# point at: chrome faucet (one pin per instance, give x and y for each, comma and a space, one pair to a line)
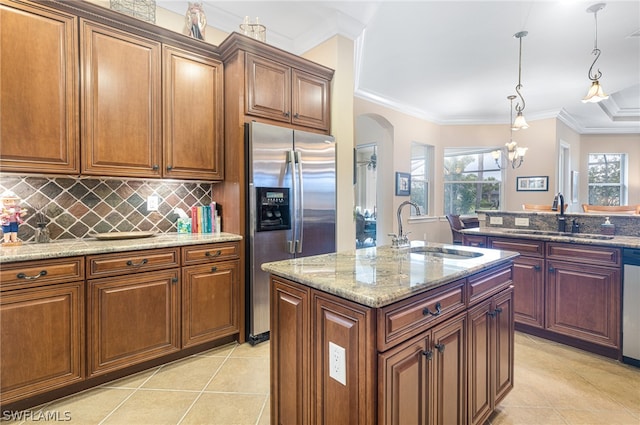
562, 222
401, 240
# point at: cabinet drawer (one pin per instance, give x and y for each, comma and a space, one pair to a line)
407, 318
485, 284
523, 246
198, 254
131, 262
37, 273
587, 254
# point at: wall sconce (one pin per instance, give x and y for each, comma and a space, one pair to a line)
515, 154
520, 122
596, 92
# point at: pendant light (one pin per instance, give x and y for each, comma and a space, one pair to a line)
515, 154
596, 93
520, 122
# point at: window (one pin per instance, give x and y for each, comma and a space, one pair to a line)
472, 181
421, 176
607, 178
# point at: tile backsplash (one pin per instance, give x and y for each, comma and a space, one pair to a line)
76, 207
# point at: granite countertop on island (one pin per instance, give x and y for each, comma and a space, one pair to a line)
75, 247
380, 276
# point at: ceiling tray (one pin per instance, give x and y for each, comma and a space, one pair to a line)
122, 235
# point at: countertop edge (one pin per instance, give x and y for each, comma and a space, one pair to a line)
616, 241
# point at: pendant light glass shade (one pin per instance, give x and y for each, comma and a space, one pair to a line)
519, 123
515, 154
596, 93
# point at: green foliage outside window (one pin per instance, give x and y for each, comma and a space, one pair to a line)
607, 179
471, 182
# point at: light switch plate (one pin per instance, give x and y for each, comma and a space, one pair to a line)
495, 220
337, 363
152, 203
522, 221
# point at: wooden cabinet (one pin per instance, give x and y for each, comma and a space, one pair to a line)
192, 115
405, 363
121, 109
474, 240
135, 315
42, 327
210, 296
279, 92
491, 341
425, 380
528, 279
39, 130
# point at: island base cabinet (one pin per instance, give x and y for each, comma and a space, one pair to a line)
528, 281
491, 342
132, 319
424, 381
43, 344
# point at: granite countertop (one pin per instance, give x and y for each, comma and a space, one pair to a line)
380, 276
583, 238
71, 248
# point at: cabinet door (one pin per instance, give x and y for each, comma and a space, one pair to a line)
268, 88
584, 302
210, 302
192, 115
42, 333
528, 279
403, 379
121, 131
474, 240
310, 100
290, 351
448, 406
504, 343
480, 368
131, 319
39, 99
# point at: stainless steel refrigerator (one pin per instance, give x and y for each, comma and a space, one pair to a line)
292, 207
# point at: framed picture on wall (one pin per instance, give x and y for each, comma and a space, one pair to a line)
532, 184
403, 184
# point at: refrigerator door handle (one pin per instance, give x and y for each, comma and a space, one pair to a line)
300, 203
291, 161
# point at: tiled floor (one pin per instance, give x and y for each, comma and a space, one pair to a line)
555, 384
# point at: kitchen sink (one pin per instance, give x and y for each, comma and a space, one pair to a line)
552, 233
448, 253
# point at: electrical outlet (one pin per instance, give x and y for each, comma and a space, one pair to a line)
522, 221
337, 363
495, 220
152, 203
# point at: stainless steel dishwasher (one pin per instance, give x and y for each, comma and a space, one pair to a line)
631, 306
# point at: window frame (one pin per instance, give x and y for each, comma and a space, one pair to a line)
622, 184
423, 158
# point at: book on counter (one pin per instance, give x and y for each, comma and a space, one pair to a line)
203, 218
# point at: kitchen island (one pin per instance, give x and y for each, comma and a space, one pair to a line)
382, 335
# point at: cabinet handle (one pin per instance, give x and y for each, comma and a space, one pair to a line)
174, 280
440, 348
214, 269
537, 268
498, 310
428, 354
296, 115
491, 313
141, 263
426, 310
169, 167
286, 114
551, 269
216, 254
155, 167
24, 276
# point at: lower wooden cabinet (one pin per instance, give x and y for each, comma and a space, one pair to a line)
42, 334
529, 299
491, 343
210, 302
131, 319
425, 380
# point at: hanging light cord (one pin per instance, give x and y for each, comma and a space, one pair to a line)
519, 86
595, 51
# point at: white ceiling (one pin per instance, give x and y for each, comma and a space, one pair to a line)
455, 62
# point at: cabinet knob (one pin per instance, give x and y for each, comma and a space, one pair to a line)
427, 312
428, 354
286, 114
174, 280
551, 269
214, 269
440, 348
155, 167
34, 277
296, 115
141, 263
169, 167
537, 268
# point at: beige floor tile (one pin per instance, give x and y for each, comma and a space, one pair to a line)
508, 415
582, 417
152, 407
192, 373
242, 375
265, 417
225, 409
248, 350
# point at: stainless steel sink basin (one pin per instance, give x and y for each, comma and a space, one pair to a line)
552, 233
448, 253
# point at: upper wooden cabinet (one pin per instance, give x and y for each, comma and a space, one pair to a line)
39, 80
283, 93
192, 115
